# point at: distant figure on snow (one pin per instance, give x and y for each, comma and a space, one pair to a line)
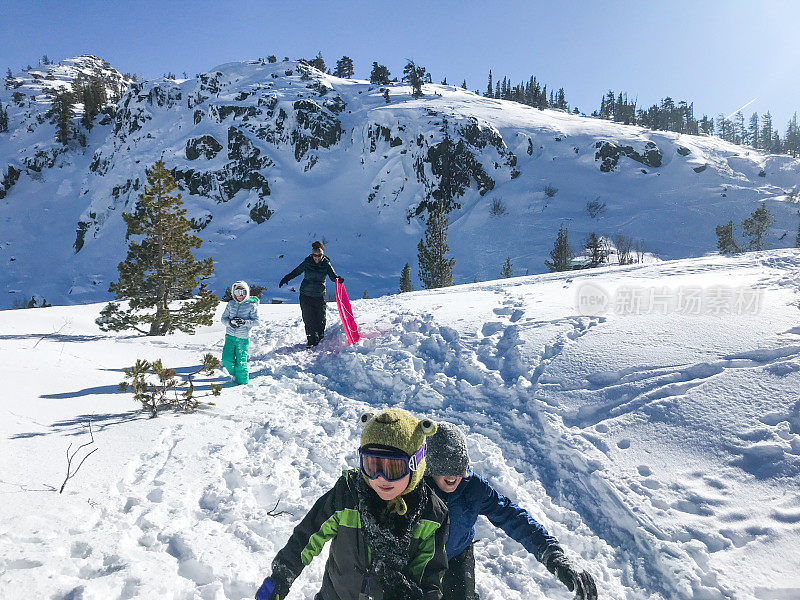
315, 268
240, 316
467, 495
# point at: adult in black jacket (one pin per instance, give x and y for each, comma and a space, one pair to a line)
315, 268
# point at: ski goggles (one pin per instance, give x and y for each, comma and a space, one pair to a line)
392, 466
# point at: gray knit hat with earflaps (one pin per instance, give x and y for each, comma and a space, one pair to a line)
447, 452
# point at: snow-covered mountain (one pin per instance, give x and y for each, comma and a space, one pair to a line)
274, 155
660, 445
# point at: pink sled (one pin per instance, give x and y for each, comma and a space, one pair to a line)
346, 314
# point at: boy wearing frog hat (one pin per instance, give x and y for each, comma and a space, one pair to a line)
468, 495
388, 528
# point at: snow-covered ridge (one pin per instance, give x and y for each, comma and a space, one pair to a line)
272, 156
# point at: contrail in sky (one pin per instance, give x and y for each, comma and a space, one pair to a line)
741, 109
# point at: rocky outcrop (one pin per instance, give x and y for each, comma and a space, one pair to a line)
206, 146
609, 153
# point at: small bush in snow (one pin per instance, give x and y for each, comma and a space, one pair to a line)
595, 207
498, 208
156, 386
550, 191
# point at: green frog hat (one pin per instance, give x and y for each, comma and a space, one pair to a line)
398, 429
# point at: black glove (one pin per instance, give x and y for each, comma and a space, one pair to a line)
284, 281
340, 279
237, 322
579, 582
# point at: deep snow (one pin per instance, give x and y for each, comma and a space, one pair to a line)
661, 447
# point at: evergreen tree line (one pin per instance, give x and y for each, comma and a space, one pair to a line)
758, 132
530, 93
666, 115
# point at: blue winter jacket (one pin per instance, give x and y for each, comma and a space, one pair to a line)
474, 496
247, 310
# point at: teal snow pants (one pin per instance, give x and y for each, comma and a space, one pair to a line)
234, 358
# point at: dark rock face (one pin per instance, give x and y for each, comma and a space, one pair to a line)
205, 145
80, 235
241, 173
609, 154
376, 132
316, 128
455, 164
260, 212
683, 151
700, 169
43, 159
243, 113
196, 182
119, 190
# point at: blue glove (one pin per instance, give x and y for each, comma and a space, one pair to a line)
267, 591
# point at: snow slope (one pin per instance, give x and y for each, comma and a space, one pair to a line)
660, 442
273, 156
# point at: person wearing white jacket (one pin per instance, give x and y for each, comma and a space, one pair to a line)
240, 316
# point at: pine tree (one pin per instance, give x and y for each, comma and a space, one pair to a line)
414, 76
160, 270
792, 139
726, 243
61, 113
594, 246
318, 62
344, 67
405, 280
3, 119
756, 226
507, 271
489, 91
435, 269
766, 132
754, 133
380, 75
739, 130
561, 254
464, 84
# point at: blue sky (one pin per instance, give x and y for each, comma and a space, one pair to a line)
719, 54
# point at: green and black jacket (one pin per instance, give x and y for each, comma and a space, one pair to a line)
348, 572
